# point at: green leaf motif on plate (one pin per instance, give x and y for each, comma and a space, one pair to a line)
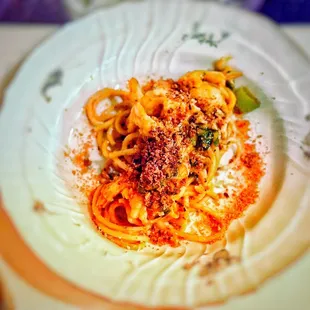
205, 38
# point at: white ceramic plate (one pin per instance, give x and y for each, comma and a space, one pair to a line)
155, 38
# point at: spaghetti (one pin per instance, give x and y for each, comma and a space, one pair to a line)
162, 144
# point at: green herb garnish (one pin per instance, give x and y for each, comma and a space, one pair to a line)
246, 101
216, 140
205, 138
